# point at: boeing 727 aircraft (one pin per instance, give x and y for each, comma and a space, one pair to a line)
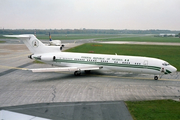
77, 62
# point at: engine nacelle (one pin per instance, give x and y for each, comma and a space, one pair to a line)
48, 58
30, 56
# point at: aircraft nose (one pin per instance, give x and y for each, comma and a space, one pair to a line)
174, 69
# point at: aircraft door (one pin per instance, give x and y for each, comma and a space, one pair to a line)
145, 63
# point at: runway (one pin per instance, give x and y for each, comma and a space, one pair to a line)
21, 87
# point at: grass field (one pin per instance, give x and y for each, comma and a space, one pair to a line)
107, 37
154, 110
111, 37
168, 53
2, 41
75, 36
143, 39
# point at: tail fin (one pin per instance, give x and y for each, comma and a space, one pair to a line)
34, 45
50, 37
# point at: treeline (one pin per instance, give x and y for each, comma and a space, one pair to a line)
83, 31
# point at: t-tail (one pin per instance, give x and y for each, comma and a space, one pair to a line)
34, 45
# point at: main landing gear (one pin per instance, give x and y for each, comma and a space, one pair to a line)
77, 73
155, 77
87, 71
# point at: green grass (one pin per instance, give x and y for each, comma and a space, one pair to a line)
38, 62
144, 39
2, 41
74, 36
154, 110
170, 54
107, 37
112, 37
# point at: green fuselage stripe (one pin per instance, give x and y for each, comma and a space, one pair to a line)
109, 64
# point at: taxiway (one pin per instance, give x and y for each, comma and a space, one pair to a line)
21, 87
18, 86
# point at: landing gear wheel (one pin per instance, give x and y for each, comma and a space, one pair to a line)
155, 77
87, 71
77, 73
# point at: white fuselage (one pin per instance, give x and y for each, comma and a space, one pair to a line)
84, 61
110, 62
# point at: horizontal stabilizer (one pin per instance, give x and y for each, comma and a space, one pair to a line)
17, 36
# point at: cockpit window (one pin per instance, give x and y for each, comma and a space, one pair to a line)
165, 64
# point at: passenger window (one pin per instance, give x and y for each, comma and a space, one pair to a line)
165, 64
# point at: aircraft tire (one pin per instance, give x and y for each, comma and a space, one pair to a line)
77, 73
155, 77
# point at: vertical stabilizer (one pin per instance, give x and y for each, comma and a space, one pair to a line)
34, 45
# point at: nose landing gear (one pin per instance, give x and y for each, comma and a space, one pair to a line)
155, 77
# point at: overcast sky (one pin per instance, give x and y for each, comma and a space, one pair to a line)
90, 14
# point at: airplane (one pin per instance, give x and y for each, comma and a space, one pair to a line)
78, 62
54, 42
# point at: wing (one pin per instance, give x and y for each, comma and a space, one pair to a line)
59, 69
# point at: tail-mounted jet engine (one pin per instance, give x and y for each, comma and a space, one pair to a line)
43, 57
30, 56
48, 58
